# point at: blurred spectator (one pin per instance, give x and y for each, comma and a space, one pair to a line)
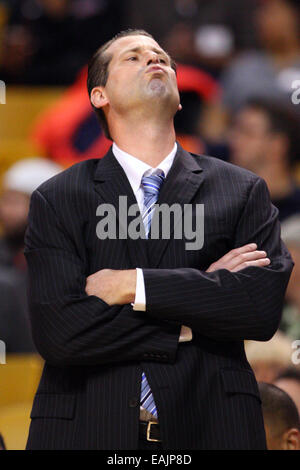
269, 358
14, 324
18, 184
20, 180
48, 41
268, 73
281, 418
198, 90
265, 138
290, 233
69, 131
289, 381
197, 32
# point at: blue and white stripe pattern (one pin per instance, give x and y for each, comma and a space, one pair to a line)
151, 186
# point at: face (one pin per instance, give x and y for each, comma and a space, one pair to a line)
14, 207
140, 76
276, 22
250, 139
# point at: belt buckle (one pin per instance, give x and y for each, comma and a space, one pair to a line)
149, 430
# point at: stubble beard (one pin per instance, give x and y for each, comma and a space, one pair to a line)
157, 87
159, 95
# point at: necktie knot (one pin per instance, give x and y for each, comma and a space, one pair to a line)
151, 184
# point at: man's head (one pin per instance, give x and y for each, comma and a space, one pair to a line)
281, 418
289, 381
18, 183
264, 134
130, 73
278, 23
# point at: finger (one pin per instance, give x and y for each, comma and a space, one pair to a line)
251, 256
258, 263
238, 251
244, 257
244, 249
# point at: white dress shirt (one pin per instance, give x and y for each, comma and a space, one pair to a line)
135, 169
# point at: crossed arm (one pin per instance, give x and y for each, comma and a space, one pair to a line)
118, 287
73, 324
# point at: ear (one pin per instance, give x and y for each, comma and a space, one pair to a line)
179, 107
291, 439
98, 97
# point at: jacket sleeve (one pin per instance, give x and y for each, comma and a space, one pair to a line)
68, 326
224, 305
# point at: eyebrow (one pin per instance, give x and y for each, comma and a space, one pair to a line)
154, 49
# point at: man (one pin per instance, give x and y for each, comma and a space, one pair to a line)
265, 140
143, 337
281, 418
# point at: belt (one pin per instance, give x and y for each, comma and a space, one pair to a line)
149, 431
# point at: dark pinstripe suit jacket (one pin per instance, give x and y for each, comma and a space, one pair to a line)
205, 390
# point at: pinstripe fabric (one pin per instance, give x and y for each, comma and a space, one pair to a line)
88, 396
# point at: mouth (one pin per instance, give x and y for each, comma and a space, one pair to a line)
155, 68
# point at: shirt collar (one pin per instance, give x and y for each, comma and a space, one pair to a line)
135, 168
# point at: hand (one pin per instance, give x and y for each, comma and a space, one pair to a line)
115, 287
241, 258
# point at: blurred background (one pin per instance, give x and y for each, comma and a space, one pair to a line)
239, 80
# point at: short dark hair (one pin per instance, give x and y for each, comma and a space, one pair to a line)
98, 70
283, 120
279, 410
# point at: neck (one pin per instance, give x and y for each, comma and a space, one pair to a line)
149, 140
278, 179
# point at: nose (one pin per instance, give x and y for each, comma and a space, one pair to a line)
152, 58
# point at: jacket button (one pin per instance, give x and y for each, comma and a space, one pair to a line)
133, 402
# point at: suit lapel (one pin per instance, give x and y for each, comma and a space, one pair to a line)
111, 182
183, 181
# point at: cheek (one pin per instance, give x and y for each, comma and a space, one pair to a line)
174, 82
257, 146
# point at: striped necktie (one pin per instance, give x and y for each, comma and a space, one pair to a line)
151, 186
